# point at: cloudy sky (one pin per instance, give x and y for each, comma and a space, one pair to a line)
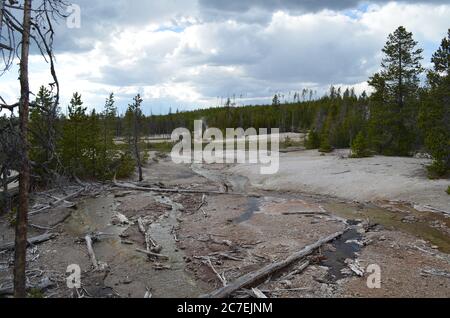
186, 54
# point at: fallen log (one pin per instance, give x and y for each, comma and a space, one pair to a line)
253, 277
161, 190
31, 241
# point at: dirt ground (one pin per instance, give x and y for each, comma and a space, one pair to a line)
200, 238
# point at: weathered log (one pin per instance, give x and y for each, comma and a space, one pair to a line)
253, 277
32, 241
161, 190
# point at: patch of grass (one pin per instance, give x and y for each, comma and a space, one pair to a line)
161, 147
448, 190
35, 293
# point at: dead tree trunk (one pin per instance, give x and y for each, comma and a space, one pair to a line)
2, 4
5, 196
24, 174
138, 156
137, 151
136, 112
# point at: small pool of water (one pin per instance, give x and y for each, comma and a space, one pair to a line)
253, 206
343, 249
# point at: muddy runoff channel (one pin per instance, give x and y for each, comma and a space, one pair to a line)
96, 215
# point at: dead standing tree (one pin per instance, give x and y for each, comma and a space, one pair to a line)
36, 27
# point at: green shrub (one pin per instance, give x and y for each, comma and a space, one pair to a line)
448, 190
360, 146
35, 293
313, 140
325, 145
126, 166
437, 169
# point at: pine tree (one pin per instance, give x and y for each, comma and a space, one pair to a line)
134, 120
325, 145
44, 133
441, 63
395, 101
275, 100
94, 147
435, 111
313, 140
75, 138
360, 146
109, 124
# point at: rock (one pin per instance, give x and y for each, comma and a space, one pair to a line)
382, 238
156, 249
409, 219
122, 194
286, 283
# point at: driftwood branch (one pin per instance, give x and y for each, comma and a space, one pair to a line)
57, 202
91, 252
253, 277
151, 254
222, 278
148, 240
258, 293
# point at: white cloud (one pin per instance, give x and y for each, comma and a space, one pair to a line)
178, 57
